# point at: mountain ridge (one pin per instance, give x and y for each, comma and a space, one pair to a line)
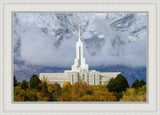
130, 73
42, 39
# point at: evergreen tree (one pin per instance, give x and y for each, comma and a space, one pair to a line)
118, 84
137, 84
15, 81
111, 85
34, 81
142, 82
24, 85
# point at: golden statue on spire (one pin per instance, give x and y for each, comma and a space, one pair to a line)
79, 26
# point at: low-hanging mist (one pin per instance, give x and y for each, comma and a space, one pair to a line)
48, 40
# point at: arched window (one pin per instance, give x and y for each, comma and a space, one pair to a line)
83, 77
94, 79
72, 79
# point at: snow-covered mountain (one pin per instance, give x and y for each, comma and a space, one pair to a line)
44, 39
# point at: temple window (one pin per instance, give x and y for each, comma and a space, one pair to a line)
83, 77
72, 79
94, 79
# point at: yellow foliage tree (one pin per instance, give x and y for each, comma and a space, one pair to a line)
133, 94
99, 93
22, 95
66, 92
54, 91
79, 89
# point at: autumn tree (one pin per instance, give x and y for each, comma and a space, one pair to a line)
99, 93
30, 95
54, 91
134, 94
44, 88
19, 94
66, 92
24, 95
40, 85
90, 90
79, 89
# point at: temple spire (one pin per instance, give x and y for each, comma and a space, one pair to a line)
79, 62
79, 27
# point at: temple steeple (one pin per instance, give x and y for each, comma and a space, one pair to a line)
79, 40
79, 62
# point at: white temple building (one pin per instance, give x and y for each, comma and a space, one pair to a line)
79, 71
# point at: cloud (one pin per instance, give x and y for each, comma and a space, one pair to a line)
133, 55
37, 48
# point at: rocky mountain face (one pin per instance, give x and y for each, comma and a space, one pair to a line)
109, 39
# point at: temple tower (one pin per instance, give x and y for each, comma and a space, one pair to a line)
79, 62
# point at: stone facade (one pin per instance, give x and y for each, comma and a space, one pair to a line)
79, 71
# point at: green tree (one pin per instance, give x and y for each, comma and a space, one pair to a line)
137, 84
34, 81
118, 96
118, 84
24, 85
142, 82
15, 81
112, 85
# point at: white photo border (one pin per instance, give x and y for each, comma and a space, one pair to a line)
8, 6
